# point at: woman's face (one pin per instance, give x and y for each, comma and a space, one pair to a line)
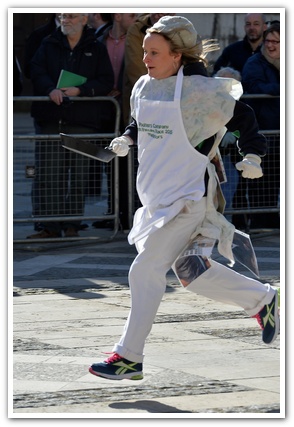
159, 61
272, 45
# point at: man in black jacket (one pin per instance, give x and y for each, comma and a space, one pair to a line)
61, 176
236, 54
100, 22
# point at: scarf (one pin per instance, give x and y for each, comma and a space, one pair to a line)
274, 62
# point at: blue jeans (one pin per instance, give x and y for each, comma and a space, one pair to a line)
229, 188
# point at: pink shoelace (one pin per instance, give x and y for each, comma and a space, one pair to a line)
113, 358
258, 318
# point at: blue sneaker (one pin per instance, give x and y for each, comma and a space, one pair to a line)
117, 368
269, 321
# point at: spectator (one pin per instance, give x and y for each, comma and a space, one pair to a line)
175, 110
114, 39
236, 54
62, 175
100, 22
261, 75
35, 39
32, 44
17, 76
228, 147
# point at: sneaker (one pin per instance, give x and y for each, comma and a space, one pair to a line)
269, 321
117, 368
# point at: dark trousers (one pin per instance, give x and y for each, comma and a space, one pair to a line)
59, 184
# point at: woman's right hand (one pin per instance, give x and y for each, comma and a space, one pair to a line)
120, 145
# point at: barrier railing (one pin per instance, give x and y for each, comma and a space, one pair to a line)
245, 198
102, 189
99, 192
255, 204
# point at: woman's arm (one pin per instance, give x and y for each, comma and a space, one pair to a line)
244, 120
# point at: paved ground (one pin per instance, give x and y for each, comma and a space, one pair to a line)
70, 302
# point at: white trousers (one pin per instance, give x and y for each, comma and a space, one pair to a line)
147, 280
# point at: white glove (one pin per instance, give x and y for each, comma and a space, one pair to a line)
250, 166
120, 146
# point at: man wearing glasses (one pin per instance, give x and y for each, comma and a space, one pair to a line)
61, 176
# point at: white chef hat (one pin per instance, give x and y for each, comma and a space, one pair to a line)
177, 28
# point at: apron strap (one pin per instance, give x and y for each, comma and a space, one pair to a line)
179, 83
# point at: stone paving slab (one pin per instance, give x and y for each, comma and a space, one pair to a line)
183, 357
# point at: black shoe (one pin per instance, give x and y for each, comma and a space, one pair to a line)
104, 223
269, 320
38, 226
117, 368
83, 226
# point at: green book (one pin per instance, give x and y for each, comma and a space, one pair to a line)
67, 79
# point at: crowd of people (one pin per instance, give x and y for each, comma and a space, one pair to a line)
63, 180
257, 60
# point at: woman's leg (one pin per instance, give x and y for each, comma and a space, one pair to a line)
147, 277
223, 284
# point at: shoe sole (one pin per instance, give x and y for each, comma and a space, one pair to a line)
277, 320
130, 376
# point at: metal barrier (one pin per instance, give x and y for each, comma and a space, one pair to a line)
251, 197
88, 186
255, 204
246, 199
243, 196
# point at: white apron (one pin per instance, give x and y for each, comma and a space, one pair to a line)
170, 170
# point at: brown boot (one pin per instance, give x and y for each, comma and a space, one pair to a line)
71, 232
45, 234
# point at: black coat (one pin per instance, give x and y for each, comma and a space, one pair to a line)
235, 55
17, 76
89, 58
261, 77
34, 41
